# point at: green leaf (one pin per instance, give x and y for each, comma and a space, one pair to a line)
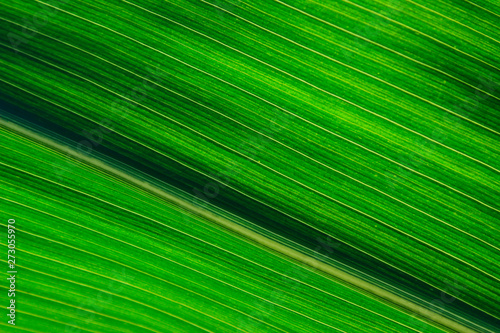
370, 125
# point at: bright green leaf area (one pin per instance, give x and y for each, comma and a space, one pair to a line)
372, 122
99, 254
